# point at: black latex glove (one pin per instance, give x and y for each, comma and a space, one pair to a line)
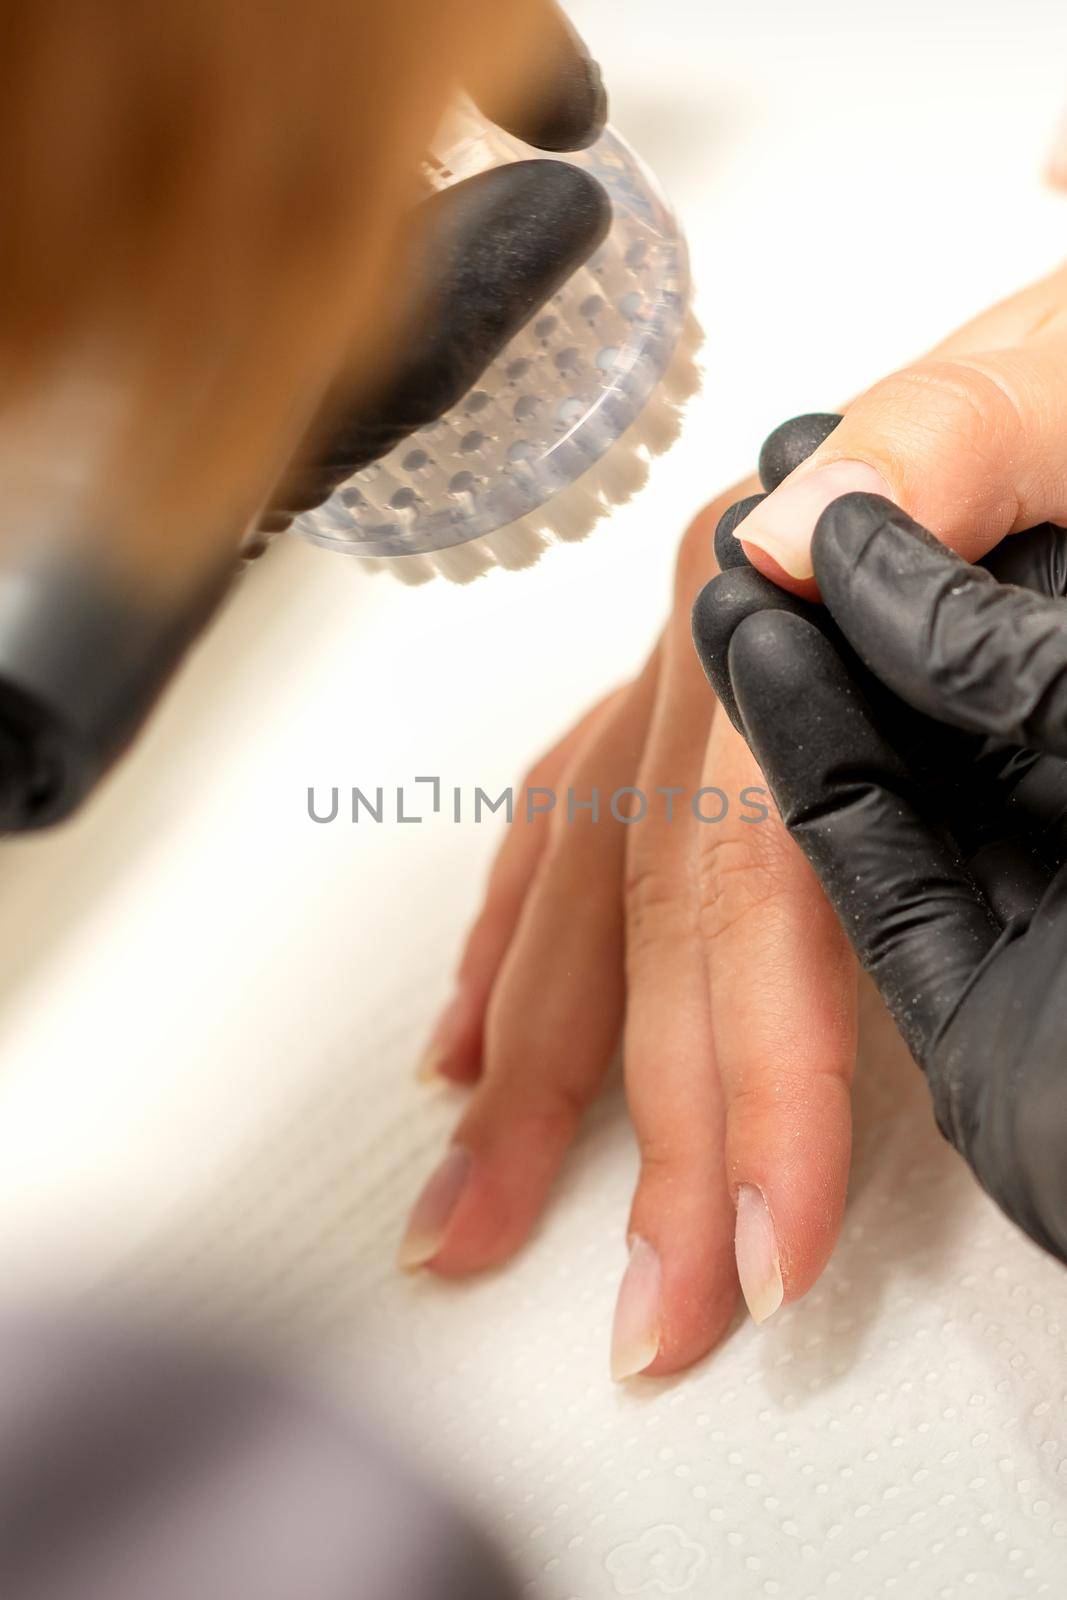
913, 733
566, 106
487, 253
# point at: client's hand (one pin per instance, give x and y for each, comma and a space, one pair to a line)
710, 946
942, 848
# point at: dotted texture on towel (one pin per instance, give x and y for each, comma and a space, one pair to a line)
900, 1432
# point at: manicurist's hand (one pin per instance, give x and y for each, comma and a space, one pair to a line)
914, 731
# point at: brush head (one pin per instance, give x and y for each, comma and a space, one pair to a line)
561, 425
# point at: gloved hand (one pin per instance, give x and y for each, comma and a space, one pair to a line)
913, 733
484, 256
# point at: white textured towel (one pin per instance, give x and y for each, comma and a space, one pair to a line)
900, 1432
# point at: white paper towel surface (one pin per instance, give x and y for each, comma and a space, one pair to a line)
211, 1009
901, 1432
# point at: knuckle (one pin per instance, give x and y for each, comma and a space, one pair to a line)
518, 1092
785, 1093
656, 903
739, 879
966, 409
659, 1155
673, 1155
965, 395
565, 1106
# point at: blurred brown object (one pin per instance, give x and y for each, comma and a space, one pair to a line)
203, 201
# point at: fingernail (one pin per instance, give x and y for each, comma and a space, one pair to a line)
430, 1065
434, 1210
757, 1254
783, 523
635, 1336
446, 1035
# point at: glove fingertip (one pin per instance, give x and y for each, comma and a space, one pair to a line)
711, 636
728, 550
792, 443
762, 653
856, 529
565, 107
574, 114
721, 607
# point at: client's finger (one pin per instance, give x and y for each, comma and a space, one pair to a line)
680, 1289
555, 1015
454, 1050
969, 441
782, 982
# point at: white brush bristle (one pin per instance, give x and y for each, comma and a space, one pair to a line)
464, 562
516, 547
573, 514
411, 570
660, 425
623, 472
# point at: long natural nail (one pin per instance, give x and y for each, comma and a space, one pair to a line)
434, 1210
635, 1336
783, 523
447, 1033
756, 1248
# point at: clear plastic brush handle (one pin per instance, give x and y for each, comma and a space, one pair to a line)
531, 454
